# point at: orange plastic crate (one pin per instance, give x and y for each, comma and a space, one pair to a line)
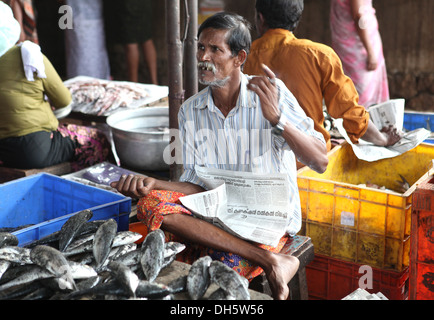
422, 242
333, 279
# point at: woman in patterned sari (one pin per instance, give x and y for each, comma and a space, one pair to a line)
357, 41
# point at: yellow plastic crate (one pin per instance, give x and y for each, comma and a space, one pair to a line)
352, 222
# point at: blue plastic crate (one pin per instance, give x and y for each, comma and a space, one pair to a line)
414, 120
47, 201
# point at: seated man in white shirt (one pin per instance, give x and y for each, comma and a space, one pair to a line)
278, 133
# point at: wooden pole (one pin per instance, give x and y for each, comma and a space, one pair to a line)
176, 92
190, 47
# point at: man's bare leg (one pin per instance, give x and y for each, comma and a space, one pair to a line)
279, 268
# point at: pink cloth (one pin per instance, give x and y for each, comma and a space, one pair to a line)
372, 86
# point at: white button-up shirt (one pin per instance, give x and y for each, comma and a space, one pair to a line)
242, 141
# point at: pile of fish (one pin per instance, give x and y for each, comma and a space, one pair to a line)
103, 97
92, 260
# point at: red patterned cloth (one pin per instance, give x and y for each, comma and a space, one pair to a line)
158, 203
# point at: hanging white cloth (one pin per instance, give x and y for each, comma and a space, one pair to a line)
33, 60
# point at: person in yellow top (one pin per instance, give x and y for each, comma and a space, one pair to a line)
311, 71
30, 135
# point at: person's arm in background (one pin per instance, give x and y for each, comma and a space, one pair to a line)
57, 93
18, 15
341, 99
357, 13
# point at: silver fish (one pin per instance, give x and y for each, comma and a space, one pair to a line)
15, 254
80, 241
178, 285
35, 273
152, 254
110, 287
14, 271
102, 243
220, 294
53, 261
39, 294
152, 290
60, 284
130, 258
198, 279
18, 291
89, 282
72, 226
90, 226
121, 238
125, 237
8, 239
168, 261
114, 253
402, 185
51, 239
126, 278
82, 258
172, 248
81, 271
229, 280
83, 287
84, 247
122, 250
4, 265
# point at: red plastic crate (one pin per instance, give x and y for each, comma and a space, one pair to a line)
422, 242
333, 279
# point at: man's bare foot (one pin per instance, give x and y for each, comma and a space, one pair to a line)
283, 268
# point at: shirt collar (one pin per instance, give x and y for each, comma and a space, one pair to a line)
272, 36
275, 31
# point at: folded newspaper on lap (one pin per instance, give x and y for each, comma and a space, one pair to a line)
252, 206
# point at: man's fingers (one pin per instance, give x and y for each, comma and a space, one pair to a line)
261, 83
270, 74
133, 185
142, 189
118, 184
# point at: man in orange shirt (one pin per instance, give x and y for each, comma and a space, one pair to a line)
311, 71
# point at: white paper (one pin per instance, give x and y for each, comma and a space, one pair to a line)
383, 115
362, 294
369, 152
389, 113
252, 206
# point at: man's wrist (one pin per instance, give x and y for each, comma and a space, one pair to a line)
279, 127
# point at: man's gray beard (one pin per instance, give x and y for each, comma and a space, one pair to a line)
215, 83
